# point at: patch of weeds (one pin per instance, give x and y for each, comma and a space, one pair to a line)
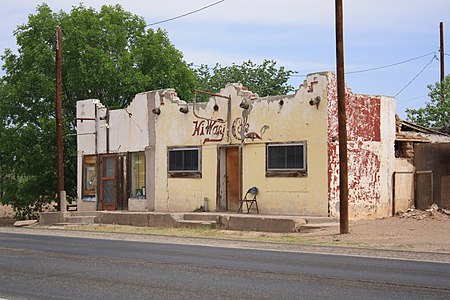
296, 240
363, 245
404, 246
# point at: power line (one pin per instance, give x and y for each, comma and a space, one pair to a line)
426, 66
381, 67
375, 68
411, 99
186, 14
392, 65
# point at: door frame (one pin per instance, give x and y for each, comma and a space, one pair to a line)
222, 201
104, 178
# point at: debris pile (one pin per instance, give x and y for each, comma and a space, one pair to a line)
433, 212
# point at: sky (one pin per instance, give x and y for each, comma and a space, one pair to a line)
297, 34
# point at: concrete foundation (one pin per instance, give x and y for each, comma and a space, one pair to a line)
50, 218
252, 223
240, 222
132, 219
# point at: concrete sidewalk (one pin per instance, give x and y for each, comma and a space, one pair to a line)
226, 221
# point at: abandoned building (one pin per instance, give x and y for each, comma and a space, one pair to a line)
164, 154
422, 167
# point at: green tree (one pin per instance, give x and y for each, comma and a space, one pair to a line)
264, 79
107, 54
436, 113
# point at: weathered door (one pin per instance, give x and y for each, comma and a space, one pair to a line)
403, 191
432, 162
108, 182
232, 178
424, 189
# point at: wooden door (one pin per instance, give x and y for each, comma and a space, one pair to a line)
233, 178
108, 182
424, 189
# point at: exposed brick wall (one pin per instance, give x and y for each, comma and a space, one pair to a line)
364, 152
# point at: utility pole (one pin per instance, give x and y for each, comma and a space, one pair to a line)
342, 120
59, 138
441, 27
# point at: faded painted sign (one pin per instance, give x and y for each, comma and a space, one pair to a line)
240, 129
212, 130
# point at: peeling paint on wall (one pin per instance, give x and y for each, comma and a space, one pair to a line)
365, 148
158, 120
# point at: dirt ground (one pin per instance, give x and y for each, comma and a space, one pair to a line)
418, 231
415, 230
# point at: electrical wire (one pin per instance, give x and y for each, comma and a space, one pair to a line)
381, 67
411, 99
414, 78
391, 65
186, 14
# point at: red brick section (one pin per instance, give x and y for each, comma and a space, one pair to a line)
363, 133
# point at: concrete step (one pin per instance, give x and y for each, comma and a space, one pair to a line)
320, 220
200, 217
306, 228
67, 224
195, 224
80, 220
85, 213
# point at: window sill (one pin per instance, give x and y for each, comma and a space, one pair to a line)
286, 174
93, 199
138, 198
185, 175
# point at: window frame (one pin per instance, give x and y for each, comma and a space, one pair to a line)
133, 185
86, 196
287, 172
185, 173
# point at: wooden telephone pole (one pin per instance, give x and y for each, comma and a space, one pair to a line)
59, 131
441, 27
342, 121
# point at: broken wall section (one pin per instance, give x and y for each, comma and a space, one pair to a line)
370, 143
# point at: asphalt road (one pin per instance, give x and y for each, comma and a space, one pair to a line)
55, 267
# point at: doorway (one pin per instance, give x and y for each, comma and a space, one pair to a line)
229, 179
108, 182
432, 174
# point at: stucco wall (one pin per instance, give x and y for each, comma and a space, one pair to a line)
154, 123
370, 143
293, 121
86, 143
128, 132
176, 129
265, 121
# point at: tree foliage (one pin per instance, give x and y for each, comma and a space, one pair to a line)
107, 54
264, 79
436, 113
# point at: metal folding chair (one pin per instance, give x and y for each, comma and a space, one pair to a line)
249, 199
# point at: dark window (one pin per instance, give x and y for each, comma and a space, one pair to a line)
286, 160
184, 160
